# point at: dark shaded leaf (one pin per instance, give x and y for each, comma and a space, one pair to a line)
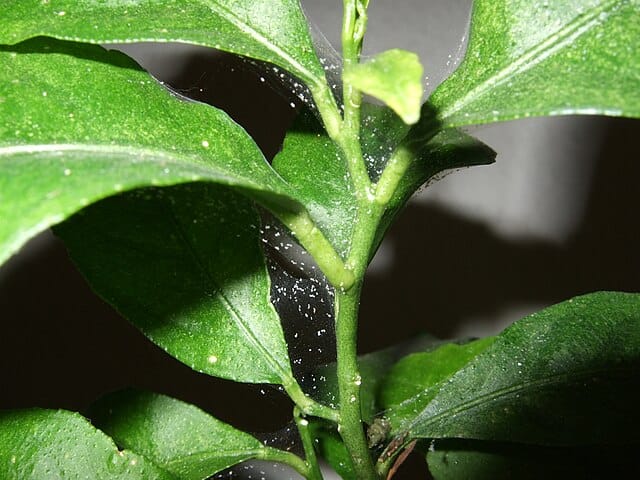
476, 460
568, 375
184, 264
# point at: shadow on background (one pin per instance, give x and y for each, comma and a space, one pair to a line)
62, 347
448, 269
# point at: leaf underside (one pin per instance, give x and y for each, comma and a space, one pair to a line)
184, 264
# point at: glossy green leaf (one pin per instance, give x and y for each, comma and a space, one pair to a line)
179, 437
554, 57
78, 123
395, 77
271, 30
49, 444
420, 375
469, 460
539, 381
184, 264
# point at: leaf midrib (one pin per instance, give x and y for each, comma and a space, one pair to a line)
541, 51
514, 389
163, 158
262, 39
281, 371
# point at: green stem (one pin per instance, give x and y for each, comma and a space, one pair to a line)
307, 405
392, 175
274, 455
353, 27
313, 240
307, 444
350, 426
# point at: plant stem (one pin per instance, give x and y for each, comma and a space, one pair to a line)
307, 405
307, 444
313, 240
274, 455
350, 425
353, 27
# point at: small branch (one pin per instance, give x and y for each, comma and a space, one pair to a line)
270, 454
309, 406
353, 28
313, 240
392, 175
307, 444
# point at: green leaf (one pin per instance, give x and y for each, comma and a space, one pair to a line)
271, 30
555, 57
184, 264
179, 437
448, 150
419, 376
539, 381
39, 444
473, 460
395, 77
78, 123
317, 170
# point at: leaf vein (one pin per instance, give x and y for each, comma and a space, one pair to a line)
539, 52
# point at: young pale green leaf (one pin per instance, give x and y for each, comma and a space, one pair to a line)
538, 381
184, 264
78, 123
179, 437
58, 444
270, 30
554, 57
395, 77
456, 460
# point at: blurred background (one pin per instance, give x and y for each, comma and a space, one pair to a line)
555, 217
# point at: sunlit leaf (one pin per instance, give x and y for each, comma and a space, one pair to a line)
78, 123
554, 57
184, 264
271, 30
48, 444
